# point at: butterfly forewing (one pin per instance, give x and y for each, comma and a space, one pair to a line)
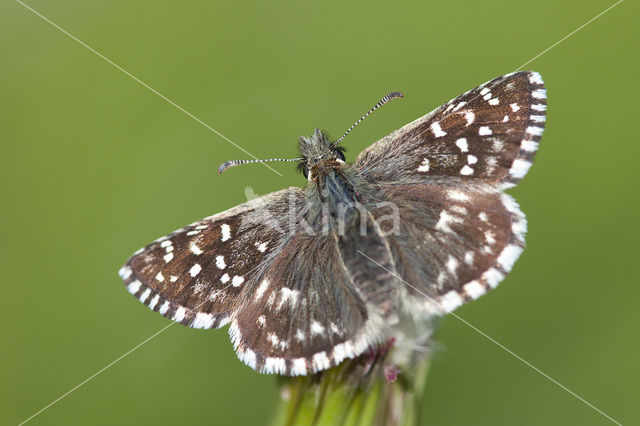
489, 134
197, 274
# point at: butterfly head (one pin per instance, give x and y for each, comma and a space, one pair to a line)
319, 154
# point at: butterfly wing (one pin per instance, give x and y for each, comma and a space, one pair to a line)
292, 306
488, 135
451, 245
458, 234
306, 315
196, 275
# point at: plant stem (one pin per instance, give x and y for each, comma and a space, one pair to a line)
355, 393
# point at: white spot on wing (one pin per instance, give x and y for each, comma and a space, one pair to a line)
454, 194
195, 249
445, 221
468, 257
202, 320
134, 287
466, 171
493, 277
154, 301
249, 358
261, 289
494, 101
470, 117
262, 320
225, 278
164, 308
179, 315
514, 107
539, 94
286, 294
299, 367
437, 130
195, 270
159, 277
220, 262
168, 257
474, 289
237, 281
452, 264
321, 361
451, 301
275, 365
125, 272
144, 295
316, 327
508, 256
226, 232
484, 131
535, 78
462, 144
424, 167
460, 105
519, 168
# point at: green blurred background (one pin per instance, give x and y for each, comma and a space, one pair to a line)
95, 166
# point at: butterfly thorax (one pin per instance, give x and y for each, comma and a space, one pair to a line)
329, 176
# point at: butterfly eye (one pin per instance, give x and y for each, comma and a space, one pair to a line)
340, 155
302, 167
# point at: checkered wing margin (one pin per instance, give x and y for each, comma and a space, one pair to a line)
488, 135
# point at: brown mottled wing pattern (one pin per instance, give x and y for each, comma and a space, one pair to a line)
458, 233
305, 315
451, 245
293, 308
488, 135
196, 275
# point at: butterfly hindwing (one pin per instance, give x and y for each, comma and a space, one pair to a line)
489, 134
305, 315
454, 244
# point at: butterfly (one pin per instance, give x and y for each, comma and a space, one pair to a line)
309, 277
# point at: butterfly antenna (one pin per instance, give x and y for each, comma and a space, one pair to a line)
227, 164
382, 101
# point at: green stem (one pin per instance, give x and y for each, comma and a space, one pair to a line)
355, 393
